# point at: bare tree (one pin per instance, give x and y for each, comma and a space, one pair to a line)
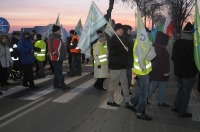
110, 8
180, 10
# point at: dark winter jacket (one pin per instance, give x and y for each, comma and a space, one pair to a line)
25, 47
183, 57
13, 45
130, 47
117, 55
161, 63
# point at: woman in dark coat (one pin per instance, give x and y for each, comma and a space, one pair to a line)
160, 68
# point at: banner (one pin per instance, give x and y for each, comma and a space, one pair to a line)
196, 36
94, 21
79, 27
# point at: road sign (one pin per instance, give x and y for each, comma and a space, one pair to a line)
4, 25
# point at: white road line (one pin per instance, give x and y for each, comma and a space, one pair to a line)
12, 90
74, 92
37, 95
19, 109
25, 112
46, 91
118, 99
194, 106
40, 80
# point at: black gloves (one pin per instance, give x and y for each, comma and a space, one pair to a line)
99, 66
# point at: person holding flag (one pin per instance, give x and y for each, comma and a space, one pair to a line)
144, 52
117, 63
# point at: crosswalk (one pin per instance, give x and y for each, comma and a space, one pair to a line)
48, 89
41, 93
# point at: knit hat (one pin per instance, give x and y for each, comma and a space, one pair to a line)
102, 37
55, 28
118, 26
72, 32
189, 28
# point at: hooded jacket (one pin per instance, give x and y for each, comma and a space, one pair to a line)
161, 63
5, 57
25, 47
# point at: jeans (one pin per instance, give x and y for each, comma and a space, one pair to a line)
41, 67
140, 98
129, 76
76, 65
58, 76
198, 87
162, 88
28, 74
183, 94
115, 77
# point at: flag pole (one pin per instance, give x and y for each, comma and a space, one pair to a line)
126, 48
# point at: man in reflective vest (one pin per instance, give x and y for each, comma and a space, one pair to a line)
142, 72
15, 74
100, 62
76, 56
40, 54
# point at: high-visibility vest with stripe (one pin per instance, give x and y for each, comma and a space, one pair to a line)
137, 70
11, 50
102, 55
42, 54
75, 50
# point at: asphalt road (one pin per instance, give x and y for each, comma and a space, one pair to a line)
84, 109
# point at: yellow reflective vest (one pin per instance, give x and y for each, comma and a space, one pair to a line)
102, 55
40, 55
137, 70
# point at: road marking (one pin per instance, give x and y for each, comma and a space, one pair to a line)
74, 92
37, 94
194, 106
12, 90
118, 99
19, 109
23, 113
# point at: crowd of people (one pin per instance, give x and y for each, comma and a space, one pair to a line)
116, 57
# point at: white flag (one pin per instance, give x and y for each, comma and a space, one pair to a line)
108, 29
79, 28
57, 20
94, 21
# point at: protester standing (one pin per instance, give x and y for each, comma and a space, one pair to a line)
76, 56
100, 62
117, 63
57, 52
40, 54
184, 69
127, 33
5, 61
160, 69
26, 50
142, 68
15, 73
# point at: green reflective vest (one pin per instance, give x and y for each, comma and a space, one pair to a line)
137, 70
40, 55
102, 55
